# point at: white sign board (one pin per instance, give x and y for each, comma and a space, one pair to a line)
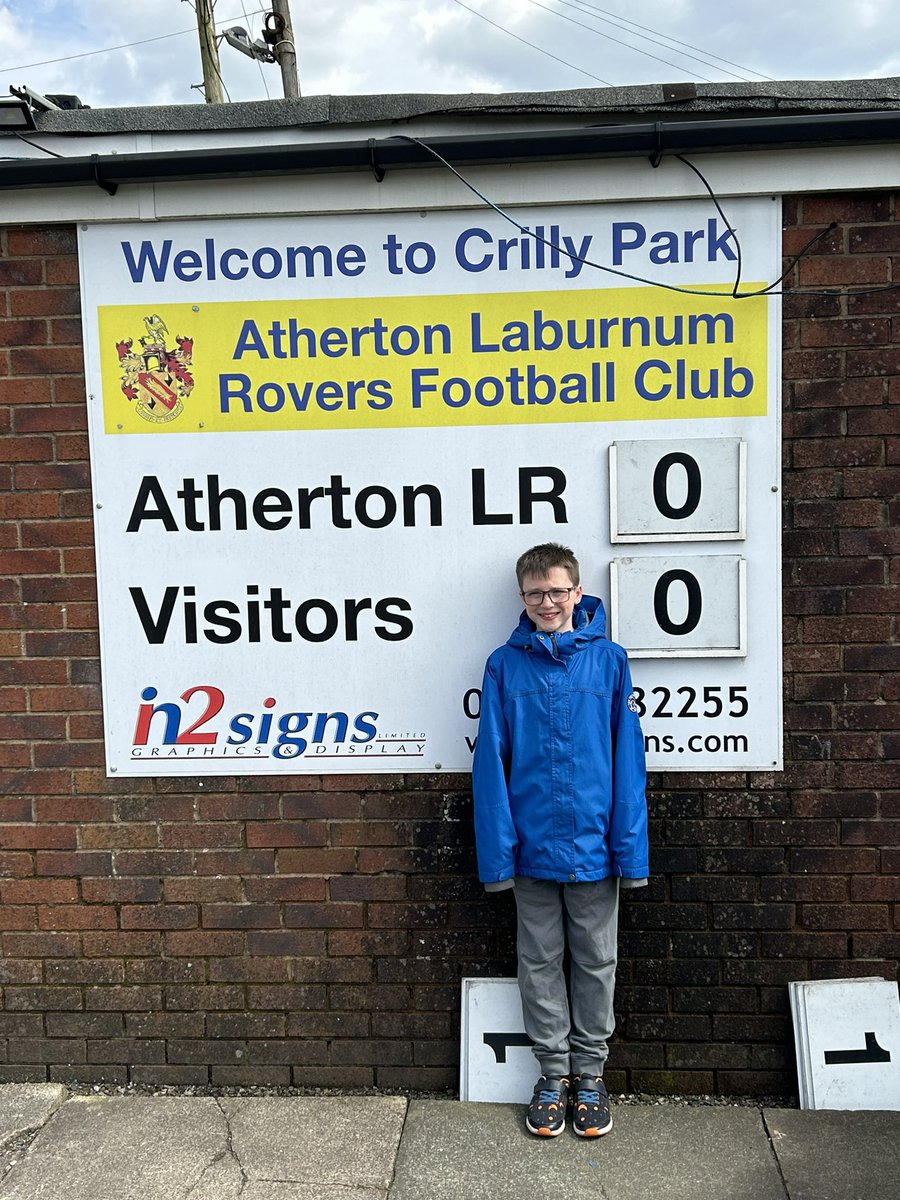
319, 444
690, 607
847, 1036
496, 1063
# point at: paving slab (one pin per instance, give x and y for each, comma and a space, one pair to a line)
25, 1107
453, 1151
123, 1148
202, 1148
343, 1147
827, 1155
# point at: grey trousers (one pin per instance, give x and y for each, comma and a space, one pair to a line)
569, 1028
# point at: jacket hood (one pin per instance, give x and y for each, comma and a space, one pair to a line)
588, 625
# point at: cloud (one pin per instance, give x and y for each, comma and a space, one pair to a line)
383, 46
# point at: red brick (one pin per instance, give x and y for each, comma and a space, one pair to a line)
40, 945
239, 808
114, 944
83, 809
868, 239
27, 273
36, 240
203, 890
287, 887
122, 999
61, 271
45, 303
836, 391
235, 862
30, 562
61, 476
111, 837
38, 837
287, 942
32, 504
858, 331
58, 917
286, 833
316, 861
159, 916
855, 206
121, 891
241, 916
839, 270
203, 837
330, 915
205, 943
51, 862
370, 833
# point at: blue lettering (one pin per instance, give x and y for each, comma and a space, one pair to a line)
462, 248
147, 256
250, 341
225, 263
626, 235
653, 364
241, 725
234, 387
187, 265
364, 727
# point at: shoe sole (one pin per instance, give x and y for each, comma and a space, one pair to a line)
594, 1131
543, 1130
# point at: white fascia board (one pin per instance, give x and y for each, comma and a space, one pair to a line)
744, 173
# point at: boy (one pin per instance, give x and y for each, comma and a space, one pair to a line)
561, 816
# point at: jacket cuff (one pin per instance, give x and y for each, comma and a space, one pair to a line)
502, 885
632, 883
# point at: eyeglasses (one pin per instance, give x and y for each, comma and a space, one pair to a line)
557, 596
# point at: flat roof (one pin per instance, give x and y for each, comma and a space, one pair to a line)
602, 105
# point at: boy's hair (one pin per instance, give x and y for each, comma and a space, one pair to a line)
540, 560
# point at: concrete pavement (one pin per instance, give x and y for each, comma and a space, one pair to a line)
138, 1147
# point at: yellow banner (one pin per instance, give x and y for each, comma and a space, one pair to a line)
409, 362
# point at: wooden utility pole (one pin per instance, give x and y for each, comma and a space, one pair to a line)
285, 54
209, 53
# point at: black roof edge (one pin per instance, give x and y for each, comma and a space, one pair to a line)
653, 139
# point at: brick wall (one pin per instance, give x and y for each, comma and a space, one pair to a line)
314, 931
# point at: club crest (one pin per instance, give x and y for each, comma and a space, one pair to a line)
156, 376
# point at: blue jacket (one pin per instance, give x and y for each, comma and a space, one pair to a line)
559, 771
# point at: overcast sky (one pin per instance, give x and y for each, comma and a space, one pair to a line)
150, 49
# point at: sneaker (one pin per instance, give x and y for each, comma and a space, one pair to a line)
546, 1115
590, 1107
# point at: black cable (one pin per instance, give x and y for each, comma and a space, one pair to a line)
525, 42
23, 138
769, 290
737, 245
618, 41
587, 6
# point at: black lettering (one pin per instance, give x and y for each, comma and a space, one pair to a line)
384, 612
352, 609
301, 620
528, 497
154, 629
151, 489
480, 515
213, 614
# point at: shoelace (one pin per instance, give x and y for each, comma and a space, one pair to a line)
548, 1097
586, 1097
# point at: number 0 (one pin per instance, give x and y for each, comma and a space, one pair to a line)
661, 602
661, 489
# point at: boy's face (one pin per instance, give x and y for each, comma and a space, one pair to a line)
550, 616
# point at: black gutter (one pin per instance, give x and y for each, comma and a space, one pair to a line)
653, 140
